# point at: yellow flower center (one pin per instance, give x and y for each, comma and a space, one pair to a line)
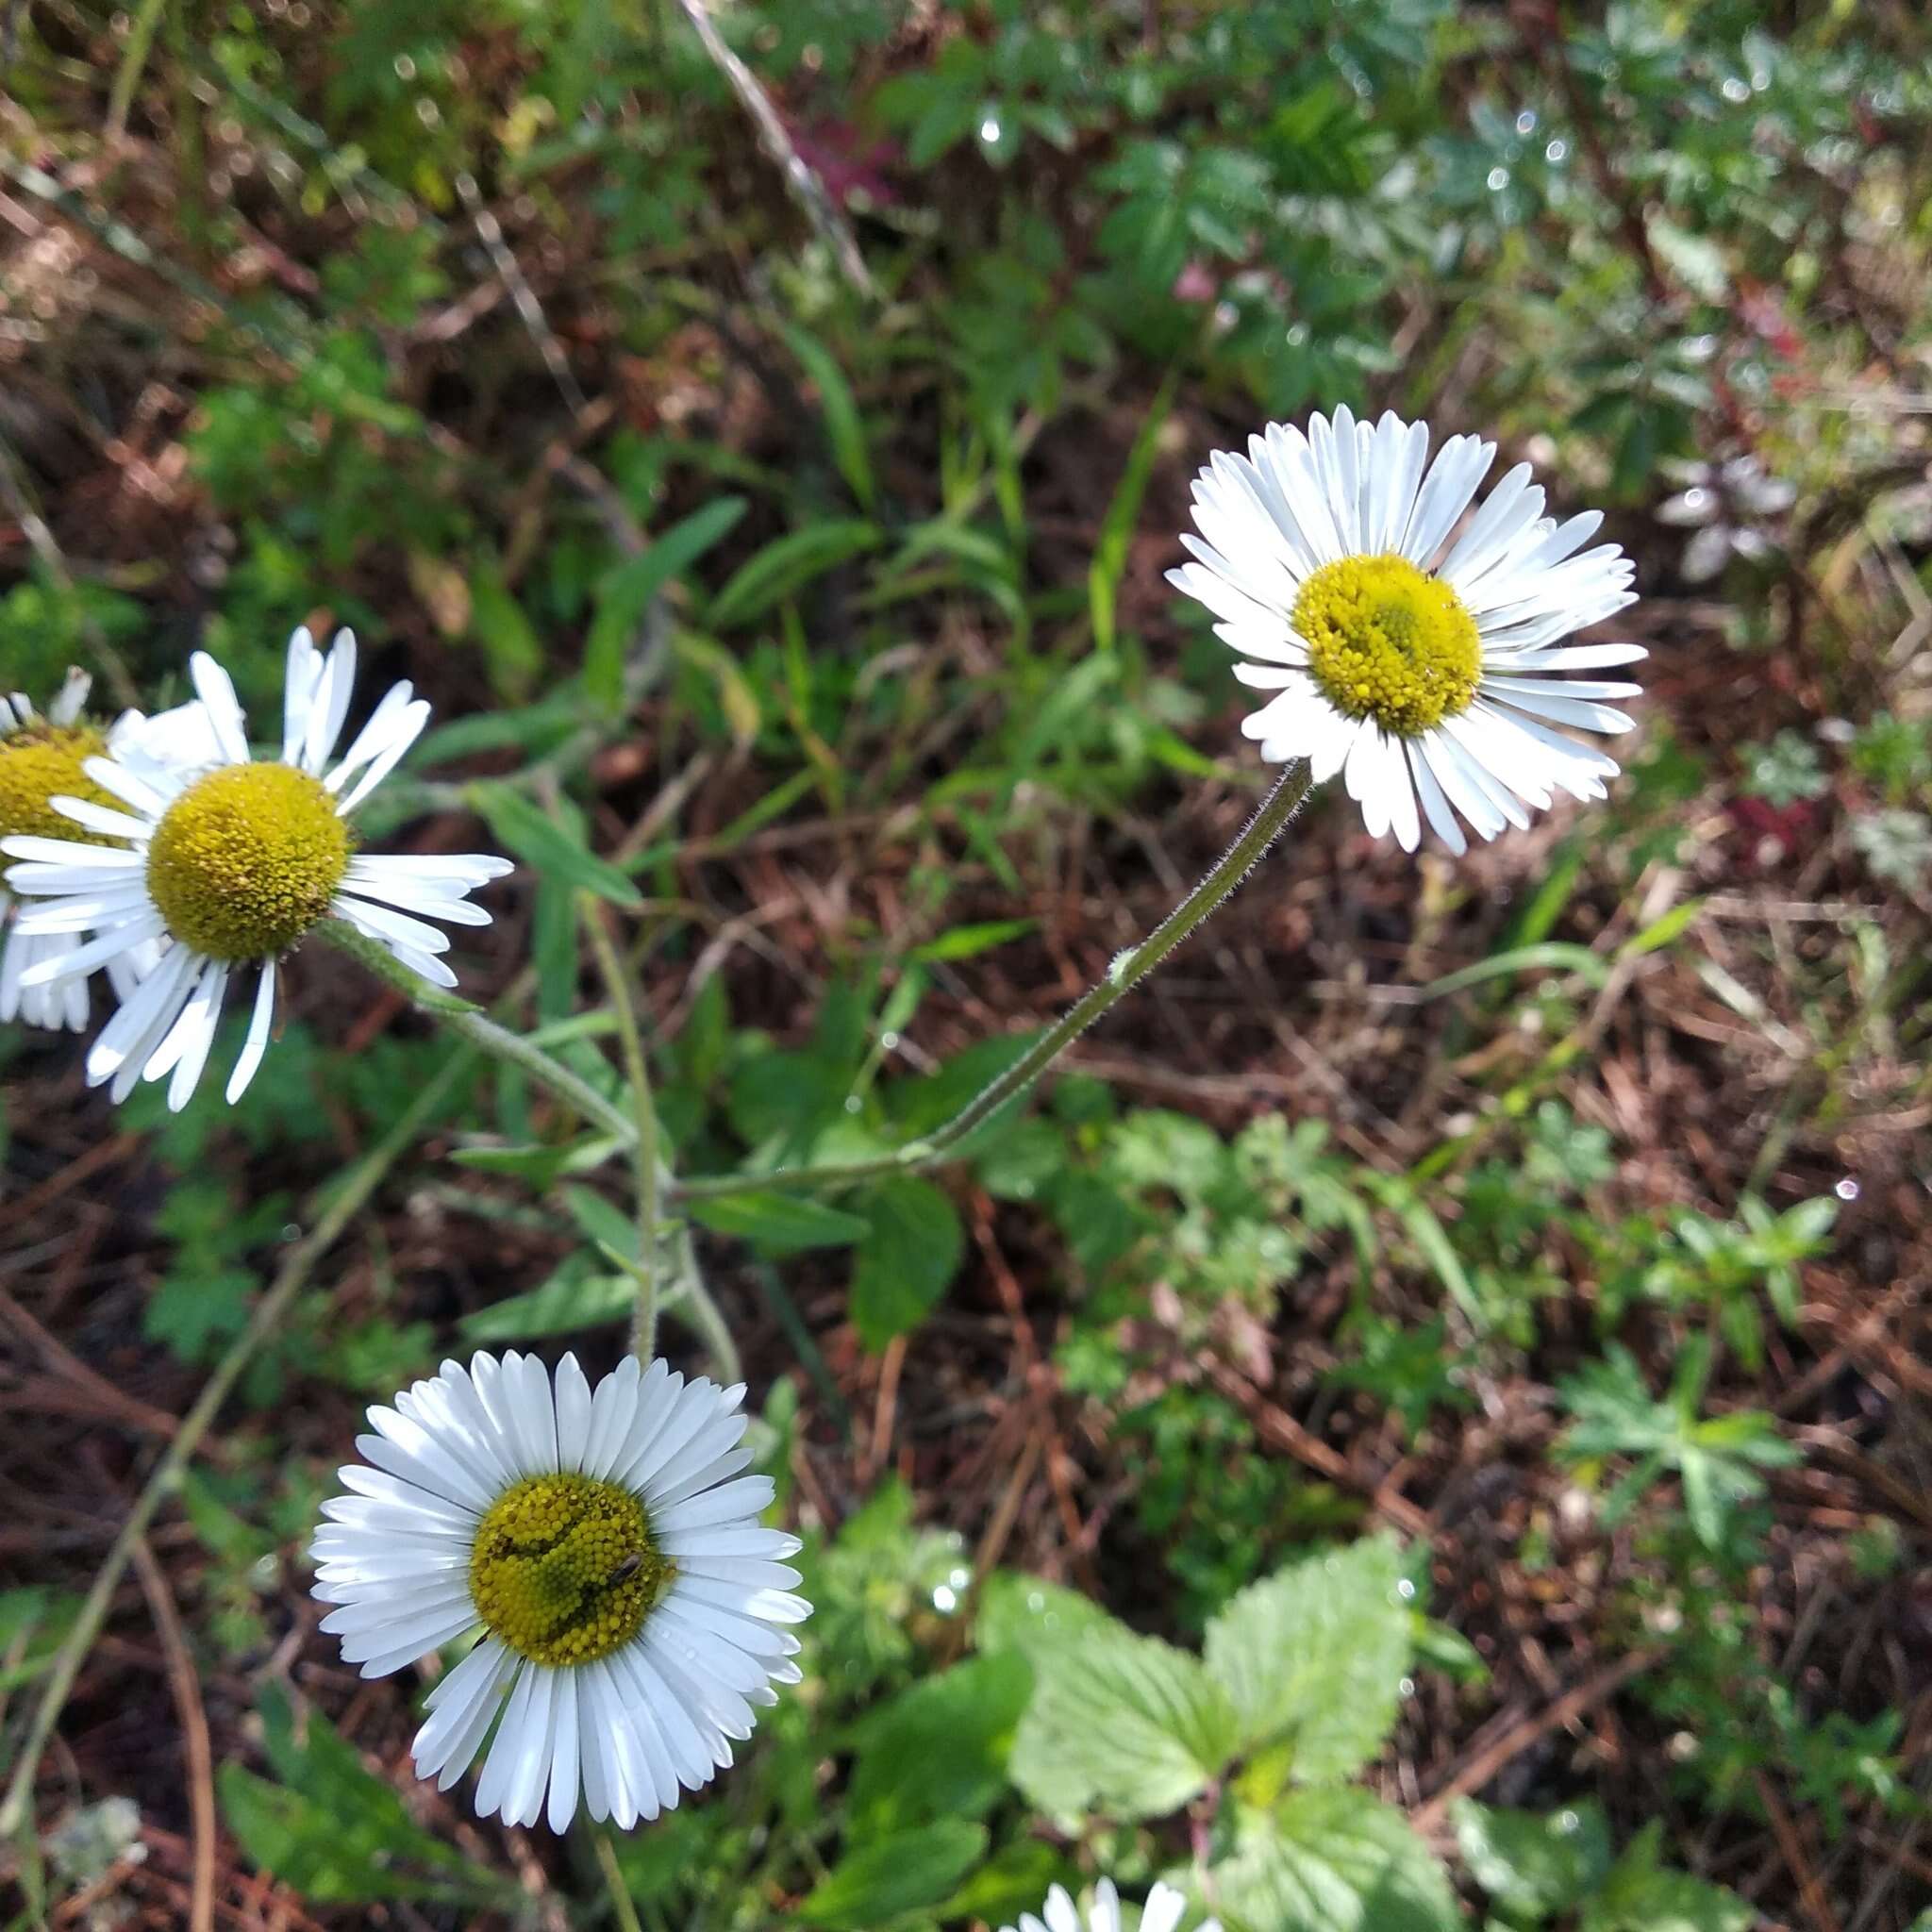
1388, 642
564, 1569
43, 761
246, 861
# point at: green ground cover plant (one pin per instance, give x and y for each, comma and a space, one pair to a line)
1418, 1417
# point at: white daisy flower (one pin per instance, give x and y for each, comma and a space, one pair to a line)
632, 1605
1161, 1913
227, 862
42, 758
1416, 671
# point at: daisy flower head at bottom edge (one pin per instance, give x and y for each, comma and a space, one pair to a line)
1161, 1913
42, 758
223, 866
1417, 667
634, 1610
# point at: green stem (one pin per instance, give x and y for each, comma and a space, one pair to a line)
166, 1477
621, 1906
476, 1026
644, 1334
141, 40
1128, 969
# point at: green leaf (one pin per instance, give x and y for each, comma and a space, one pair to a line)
1532, 1866
1111, 553
1640, 1895
964, 942
34, 1622
541, 843
844, 430
1546, 955
334, 1831
905, 1872
1314, 1656
779, 1224
1121, 1725
1012, 1881
787, 565
540, 1166
510, 640
1333, 1860
1030, 1615
580, 1294
602, 1222
196, 1308
939, 1749
625, 594
908, 1258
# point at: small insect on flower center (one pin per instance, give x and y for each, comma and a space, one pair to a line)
1388, 642
564, 1569
246, 861
40, 763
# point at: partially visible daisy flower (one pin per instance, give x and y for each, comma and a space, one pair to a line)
227, 862
1161, 1913
1418, 672
633, 1607
43, 758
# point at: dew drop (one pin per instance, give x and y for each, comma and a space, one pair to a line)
945, 1599
1556, 153
853, 1103
889, 1042
1525, 122
1297, 334
990, 130
1847, 1190
1735, 90
405, 67
1499, 179
1406, 1687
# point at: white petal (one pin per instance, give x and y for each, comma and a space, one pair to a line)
1452, 481
299, 682
216, 690
259, 1021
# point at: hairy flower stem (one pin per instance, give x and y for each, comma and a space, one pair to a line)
1128, 969
649, 1170
481, 1031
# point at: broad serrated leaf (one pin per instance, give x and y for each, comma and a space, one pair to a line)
1333, 1860
938, 1750
906, 1259
1640, 1895
1314, 1656
903, 1871
1120, 1724
1028, 1614
1533, 1866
